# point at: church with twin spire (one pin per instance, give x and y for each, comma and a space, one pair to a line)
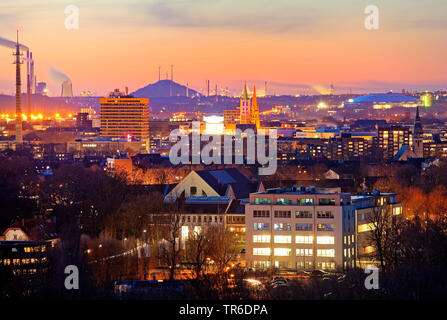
249, 109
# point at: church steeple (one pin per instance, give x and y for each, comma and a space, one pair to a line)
245, 107
418, 138
245, 93
255, 110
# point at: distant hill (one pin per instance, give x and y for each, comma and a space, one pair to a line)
162, 88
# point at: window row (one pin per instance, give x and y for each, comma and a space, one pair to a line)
298, 239
288, 226
302, 201
286, 252
299, 264
288, 214
198, 219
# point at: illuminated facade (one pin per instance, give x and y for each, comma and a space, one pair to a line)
300, 228
312, 228
124, 117
392, 138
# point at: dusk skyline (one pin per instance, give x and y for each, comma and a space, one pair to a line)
231, 42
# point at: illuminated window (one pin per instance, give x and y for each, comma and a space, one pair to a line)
262, 201
326, 253
282, 239
325, 227
185, 232
282, 226
260, 226
397, 211
304, 239
261, 251
282, 252
325, 215
304, 252
261, 264
306, 201
283, 201
261, 238
325, 240
369, 249
197, 229
366, 227
303, 214
326, 265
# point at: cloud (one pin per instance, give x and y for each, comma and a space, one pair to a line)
261, 15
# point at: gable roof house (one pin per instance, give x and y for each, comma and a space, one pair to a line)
228, 182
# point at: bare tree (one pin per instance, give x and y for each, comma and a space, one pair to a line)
382, 235
224, 247
198, 249
170, 248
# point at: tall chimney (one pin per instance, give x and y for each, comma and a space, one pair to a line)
172, 72
159, 73
208, 90
32, 75
28, 84
19, 138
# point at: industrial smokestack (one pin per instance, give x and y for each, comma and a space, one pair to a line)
32, 75
208, 87
159, 73
17, 54
28, 84
172, 72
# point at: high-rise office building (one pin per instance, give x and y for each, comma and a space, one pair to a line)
392, 138
124, 116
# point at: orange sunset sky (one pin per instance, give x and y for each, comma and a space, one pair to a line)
294, 45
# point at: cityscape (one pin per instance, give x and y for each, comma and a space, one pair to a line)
225, 174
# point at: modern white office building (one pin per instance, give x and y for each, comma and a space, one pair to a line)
306, 228
300, 228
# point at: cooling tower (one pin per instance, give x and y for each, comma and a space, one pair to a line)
67, 91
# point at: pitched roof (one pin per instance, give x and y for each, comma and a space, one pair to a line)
221, 179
